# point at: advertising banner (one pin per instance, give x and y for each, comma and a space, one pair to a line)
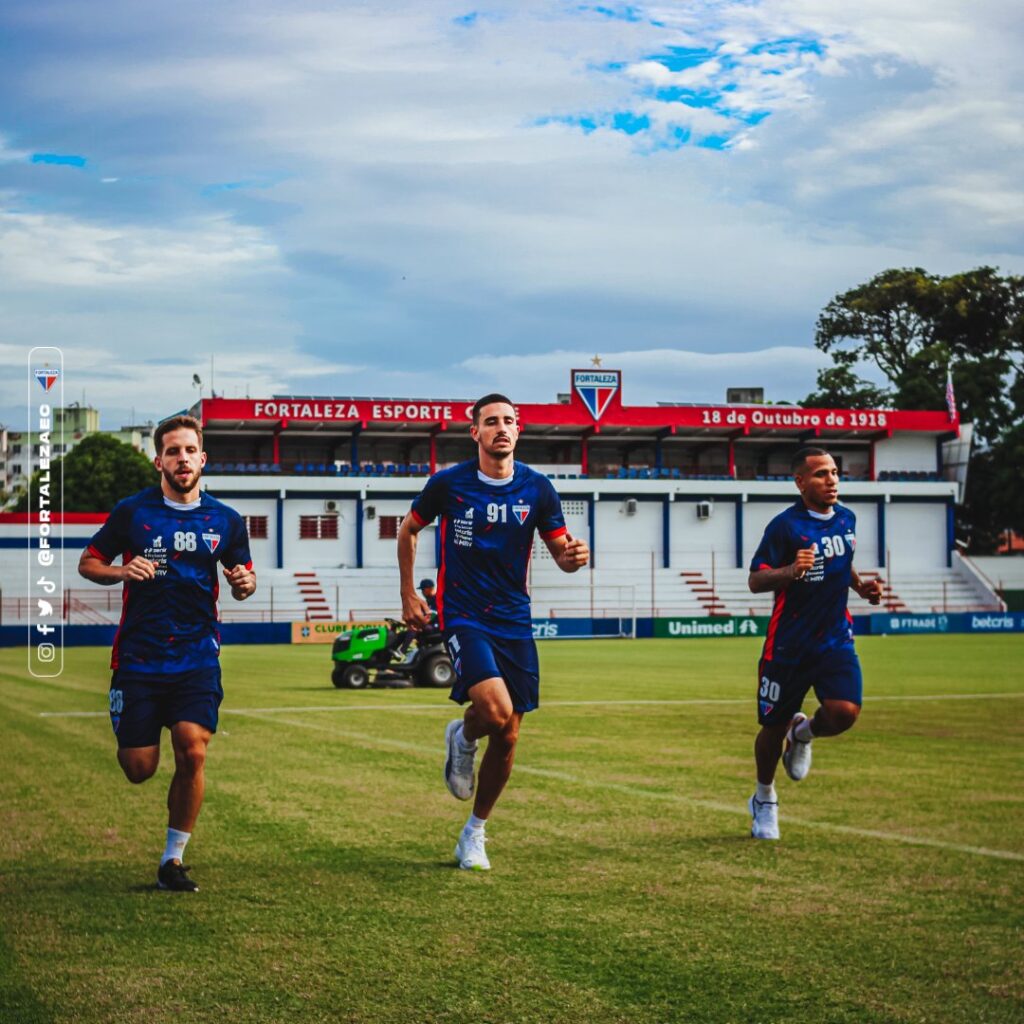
954, 622
324, 632
713, 625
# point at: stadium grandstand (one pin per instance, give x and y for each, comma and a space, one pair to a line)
672, 499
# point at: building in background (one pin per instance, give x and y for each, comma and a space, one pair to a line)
19, 449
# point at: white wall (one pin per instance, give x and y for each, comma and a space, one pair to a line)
625, 541
693, 540
381, 553
264, 552
303, 554
916, 537
756, 516
575, 512
906, 452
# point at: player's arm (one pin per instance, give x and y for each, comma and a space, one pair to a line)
870, 590
761, 580
415, 611
99, 570
242, 580
570, 553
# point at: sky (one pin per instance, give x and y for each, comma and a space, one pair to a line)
436, 199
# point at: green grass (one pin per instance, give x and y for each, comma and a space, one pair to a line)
625, 886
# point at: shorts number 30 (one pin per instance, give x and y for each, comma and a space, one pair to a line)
769, 689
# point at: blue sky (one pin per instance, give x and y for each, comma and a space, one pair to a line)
431, 200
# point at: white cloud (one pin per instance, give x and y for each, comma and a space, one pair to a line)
55, 250
417, 212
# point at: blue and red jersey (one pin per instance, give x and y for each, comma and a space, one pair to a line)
810, 615
169, 623
486, 538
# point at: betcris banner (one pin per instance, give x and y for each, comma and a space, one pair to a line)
954, 622
566, 629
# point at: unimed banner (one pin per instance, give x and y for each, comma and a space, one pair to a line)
714, 625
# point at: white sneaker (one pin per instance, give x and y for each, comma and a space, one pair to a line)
796, 756
470, 852
458, 764
766, 818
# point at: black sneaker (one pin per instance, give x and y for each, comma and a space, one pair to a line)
173, 875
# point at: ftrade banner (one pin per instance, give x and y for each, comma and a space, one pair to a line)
324, 632
955, 622
712, 625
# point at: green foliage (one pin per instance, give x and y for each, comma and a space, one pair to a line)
625, 888
98, 472
914, 326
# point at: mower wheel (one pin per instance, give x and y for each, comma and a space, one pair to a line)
351, 677
437, 671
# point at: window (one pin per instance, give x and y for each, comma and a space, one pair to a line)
318, 527
257, 527
388, 527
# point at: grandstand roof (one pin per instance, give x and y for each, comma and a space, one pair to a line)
594, 406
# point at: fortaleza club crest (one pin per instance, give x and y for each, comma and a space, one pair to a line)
596, 389
47, 377
212, 541
521, 512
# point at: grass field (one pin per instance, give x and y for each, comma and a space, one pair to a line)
625, 885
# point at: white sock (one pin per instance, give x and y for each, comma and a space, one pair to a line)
766, 794
475, 824
176, 843
460, 737
803, 731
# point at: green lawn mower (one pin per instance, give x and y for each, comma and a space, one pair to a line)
391, 656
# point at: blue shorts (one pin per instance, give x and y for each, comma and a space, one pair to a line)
141, 704
835, 675
478, 656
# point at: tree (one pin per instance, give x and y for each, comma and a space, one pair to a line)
98, 472
915, 327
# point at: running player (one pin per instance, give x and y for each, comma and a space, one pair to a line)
165, 663
489, 509
806, 558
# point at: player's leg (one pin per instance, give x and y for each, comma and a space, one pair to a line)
839, 687
191, 714
135, 719
185, 795
490, 714
833, 717
781, 690
474, 663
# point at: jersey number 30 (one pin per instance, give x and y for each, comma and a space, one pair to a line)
833, 546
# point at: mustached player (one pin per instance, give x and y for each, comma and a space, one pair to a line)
489, 509
806, 558
171, 540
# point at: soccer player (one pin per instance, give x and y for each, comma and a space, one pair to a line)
806, 558
489, 508
166, 671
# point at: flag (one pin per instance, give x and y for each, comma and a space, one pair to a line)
950, 396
